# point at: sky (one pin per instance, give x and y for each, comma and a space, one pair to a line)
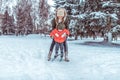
51, 2
25, 58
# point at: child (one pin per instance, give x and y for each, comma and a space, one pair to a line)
59, 35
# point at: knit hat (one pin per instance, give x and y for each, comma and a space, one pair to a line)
61, 12
61, 26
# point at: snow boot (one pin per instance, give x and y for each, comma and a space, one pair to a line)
66, 57
49, 55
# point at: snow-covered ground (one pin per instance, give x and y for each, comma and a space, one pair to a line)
25, 58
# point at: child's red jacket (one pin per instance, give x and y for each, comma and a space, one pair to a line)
59, 35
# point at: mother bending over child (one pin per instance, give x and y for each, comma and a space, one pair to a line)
60, 17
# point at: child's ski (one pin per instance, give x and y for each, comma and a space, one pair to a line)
60, 59
55, 57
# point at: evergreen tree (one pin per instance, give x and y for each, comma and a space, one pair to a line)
43, 13
7, 23
29, 25
90, 17
24, 20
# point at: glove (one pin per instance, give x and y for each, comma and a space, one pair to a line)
64, 35
56, 34
51, 37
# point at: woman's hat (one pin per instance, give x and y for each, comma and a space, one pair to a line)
60, 12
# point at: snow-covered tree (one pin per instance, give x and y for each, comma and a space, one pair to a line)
23, 16
7, 23
43, 13
91, 17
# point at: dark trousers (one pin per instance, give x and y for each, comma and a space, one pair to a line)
57, 46
65, 46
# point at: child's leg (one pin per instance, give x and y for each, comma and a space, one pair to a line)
56, 49
61, 49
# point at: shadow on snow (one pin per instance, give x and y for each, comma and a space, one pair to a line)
99, 44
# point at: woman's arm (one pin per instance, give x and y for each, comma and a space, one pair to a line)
53, 24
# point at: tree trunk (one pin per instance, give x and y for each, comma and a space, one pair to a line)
76, 37
108, 37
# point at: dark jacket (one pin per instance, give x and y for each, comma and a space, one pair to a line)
65, 22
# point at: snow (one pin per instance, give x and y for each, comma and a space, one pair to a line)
114, 16
51, 2
8, 3
98, 14
107, 3
110, 3
25, 58
82, 16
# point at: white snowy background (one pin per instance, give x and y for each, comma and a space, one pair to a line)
25, 58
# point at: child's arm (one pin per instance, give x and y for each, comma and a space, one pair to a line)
67, 32
52, 34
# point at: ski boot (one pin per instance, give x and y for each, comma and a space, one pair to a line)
66, 57
49, 55
56, 55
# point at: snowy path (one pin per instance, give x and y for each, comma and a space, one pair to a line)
24, 58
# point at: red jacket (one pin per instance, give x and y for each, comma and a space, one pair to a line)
59, 35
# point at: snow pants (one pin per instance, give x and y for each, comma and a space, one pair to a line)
57, 46
65, 46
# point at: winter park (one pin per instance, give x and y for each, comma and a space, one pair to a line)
84, 34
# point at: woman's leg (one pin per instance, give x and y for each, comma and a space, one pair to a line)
51, 49
66, 51
65, 46
52, 45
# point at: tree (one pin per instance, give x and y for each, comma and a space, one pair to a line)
91, 17
43, 13
7, 23
24, 20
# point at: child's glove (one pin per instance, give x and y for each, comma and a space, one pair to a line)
56, 35
64, 35
51, 37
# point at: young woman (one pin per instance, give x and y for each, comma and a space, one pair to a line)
60, 17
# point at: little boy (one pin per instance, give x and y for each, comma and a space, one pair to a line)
59, 35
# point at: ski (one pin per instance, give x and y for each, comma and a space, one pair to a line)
60, 59
55, 57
